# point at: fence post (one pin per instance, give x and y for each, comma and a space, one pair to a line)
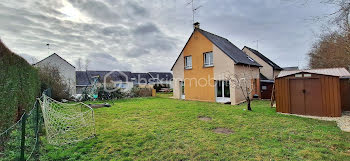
37, 117
37, 128
23, 136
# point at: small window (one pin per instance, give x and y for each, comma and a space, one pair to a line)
251, 59
208, 59
298, 75
307, 75
188, 62
264, 87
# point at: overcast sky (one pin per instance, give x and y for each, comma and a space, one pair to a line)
148, 35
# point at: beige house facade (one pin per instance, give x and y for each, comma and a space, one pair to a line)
203, 71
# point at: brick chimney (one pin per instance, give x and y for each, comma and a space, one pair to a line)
196, 25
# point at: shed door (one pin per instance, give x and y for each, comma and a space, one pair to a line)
313, 97
306, 97
297, 100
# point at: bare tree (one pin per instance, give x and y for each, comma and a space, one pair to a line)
79, 64
331, 51
243, 81
87, 63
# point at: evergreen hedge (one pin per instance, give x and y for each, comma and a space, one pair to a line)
19, 86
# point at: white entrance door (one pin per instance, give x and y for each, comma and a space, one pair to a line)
182, 89
222, 91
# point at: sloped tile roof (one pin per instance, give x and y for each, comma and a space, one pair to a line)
86, 77
232, 51
263, 57
165, 76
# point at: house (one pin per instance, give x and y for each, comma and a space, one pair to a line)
111, 79
268, 71
162, 79
120, 79
317, 92
200, 69
66, 69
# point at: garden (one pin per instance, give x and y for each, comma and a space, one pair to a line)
160, 128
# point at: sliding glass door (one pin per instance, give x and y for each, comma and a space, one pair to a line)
222, 91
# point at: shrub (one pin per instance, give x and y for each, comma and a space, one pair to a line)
50, 77
104, 95
140, 92
19, 86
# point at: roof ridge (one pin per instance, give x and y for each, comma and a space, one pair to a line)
214, 34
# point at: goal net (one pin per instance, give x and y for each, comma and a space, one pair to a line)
67, 123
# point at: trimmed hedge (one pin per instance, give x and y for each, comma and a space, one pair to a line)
19, 86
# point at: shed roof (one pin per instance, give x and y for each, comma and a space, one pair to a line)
338, 72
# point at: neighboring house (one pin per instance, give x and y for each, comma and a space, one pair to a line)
200, 69
67, 70
268, 72
162, 78
141, 79
269, 69
119, 79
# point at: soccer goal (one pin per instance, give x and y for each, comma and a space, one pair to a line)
67, 123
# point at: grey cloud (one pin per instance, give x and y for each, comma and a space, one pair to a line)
147, 35
105, 62
146, 29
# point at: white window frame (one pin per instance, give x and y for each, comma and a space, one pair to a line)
208, 59
188, 63
222, 99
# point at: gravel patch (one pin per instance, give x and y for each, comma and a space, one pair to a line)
343, 122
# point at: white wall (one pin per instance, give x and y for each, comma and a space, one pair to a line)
66, 70
178, 75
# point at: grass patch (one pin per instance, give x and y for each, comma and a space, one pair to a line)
167, 129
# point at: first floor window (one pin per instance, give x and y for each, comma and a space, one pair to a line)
222, 89
188, 62
208, 59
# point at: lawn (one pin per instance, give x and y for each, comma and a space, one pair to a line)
166, 129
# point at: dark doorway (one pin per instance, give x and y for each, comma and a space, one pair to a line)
266, 90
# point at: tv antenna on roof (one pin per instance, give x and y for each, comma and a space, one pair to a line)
194, 9
48, 48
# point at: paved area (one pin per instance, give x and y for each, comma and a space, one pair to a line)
343, 122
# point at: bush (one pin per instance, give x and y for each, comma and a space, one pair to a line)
116, 94
50, 77
140, 92
19, 86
